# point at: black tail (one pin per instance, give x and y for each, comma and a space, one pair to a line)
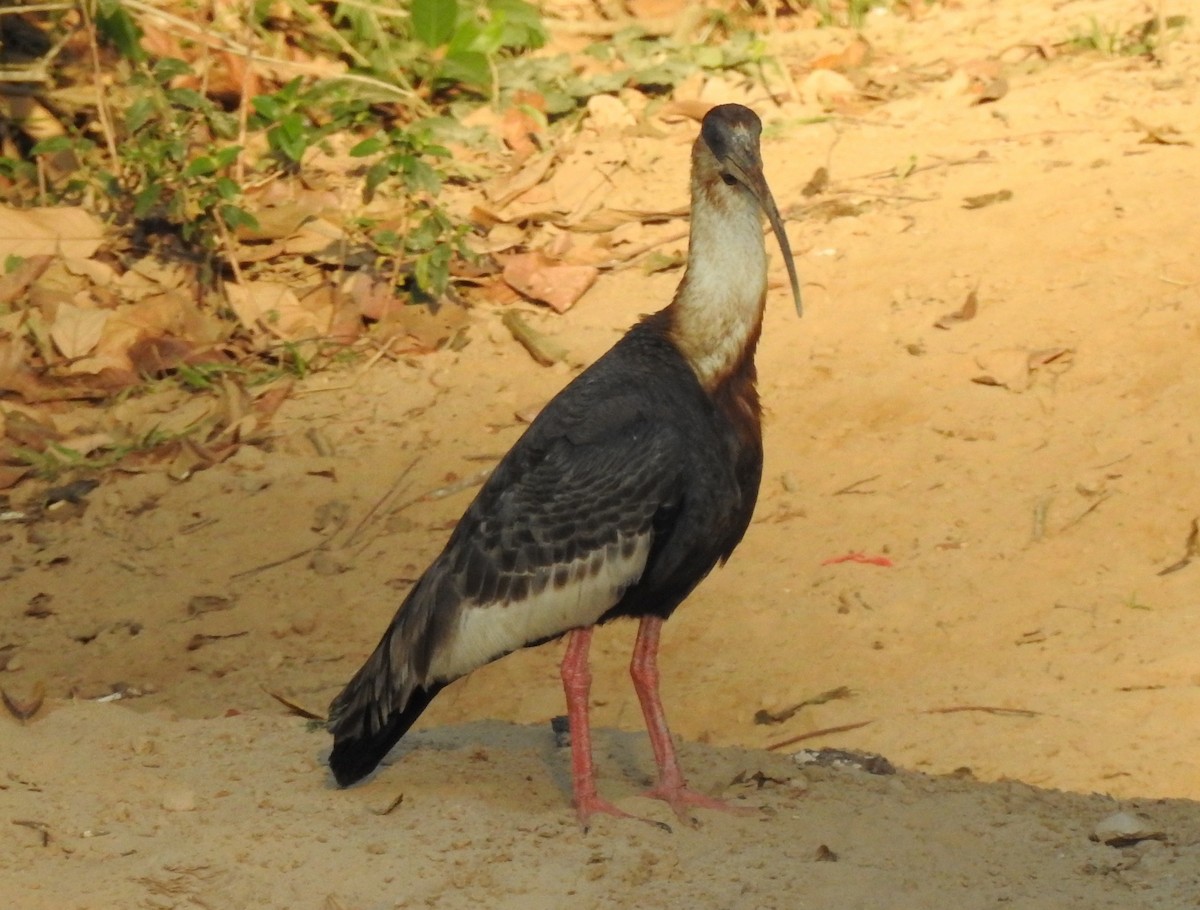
357, 748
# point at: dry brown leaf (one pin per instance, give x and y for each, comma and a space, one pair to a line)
15, 375
1164, 134
24, 709
11, 475
583, 181
506, 190
374, 298
318, 238
852, 56
17, 282
991, 90
1015, 368
98, 274
1008, 368
345, 320
417, 327
827, 89
269, 399
49, 231
29, 431
965, 313
559, 286
76, 330
158, 355
985, 199
521, 129
275, 308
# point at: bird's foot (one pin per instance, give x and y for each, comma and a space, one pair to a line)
681, 798
587, 806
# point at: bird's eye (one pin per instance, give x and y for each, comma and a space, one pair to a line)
729, 179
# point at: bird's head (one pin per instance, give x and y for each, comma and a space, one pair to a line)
728, 159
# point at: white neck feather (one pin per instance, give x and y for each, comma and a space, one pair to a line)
719, 304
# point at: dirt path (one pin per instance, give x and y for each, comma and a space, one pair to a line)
1029, 473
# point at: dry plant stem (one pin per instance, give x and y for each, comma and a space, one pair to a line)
239, 172
392, 490
628, 259
38, 8
316, 22
813, 734
986, 709
228, 243
106, 126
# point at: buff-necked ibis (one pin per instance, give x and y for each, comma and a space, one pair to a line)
625, 491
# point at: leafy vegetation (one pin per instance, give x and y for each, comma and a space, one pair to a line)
1144, 39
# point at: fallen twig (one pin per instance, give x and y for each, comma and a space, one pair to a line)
986, 709
379, 502
296, 709
850, 488
1191, 550
813, 734
778, 717
1088, 511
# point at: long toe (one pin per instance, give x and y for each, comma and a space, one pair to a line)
681, 799
589, 806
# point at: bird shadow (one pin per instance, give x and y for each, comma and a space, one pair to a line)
623, 760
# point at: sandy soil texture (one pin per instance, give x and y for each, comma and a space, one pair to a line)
992, 400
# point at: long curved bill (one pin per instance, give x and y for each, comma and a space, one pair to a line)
752, 177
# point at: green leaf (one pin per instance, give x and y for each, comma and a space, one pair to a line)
467, 67
420, 176
290, 137
198, 167
235, 217
267, 107
369, 146
228, 155
168, 68
227, 188
483, 38
522, 23
146, 200
433, 21
51, 145
376, 174
139, 113
118, 27
187, 98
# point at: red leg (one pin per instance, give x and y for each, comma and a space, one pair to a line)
671, 786
577, 683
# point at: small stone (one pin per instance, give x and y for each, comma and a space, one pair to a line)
179, 801
249, 458
325, 563
254, 483
1122, 829
798, 783
304, 624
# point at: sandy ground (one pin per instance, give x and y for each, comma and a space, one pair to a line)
1028, 474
